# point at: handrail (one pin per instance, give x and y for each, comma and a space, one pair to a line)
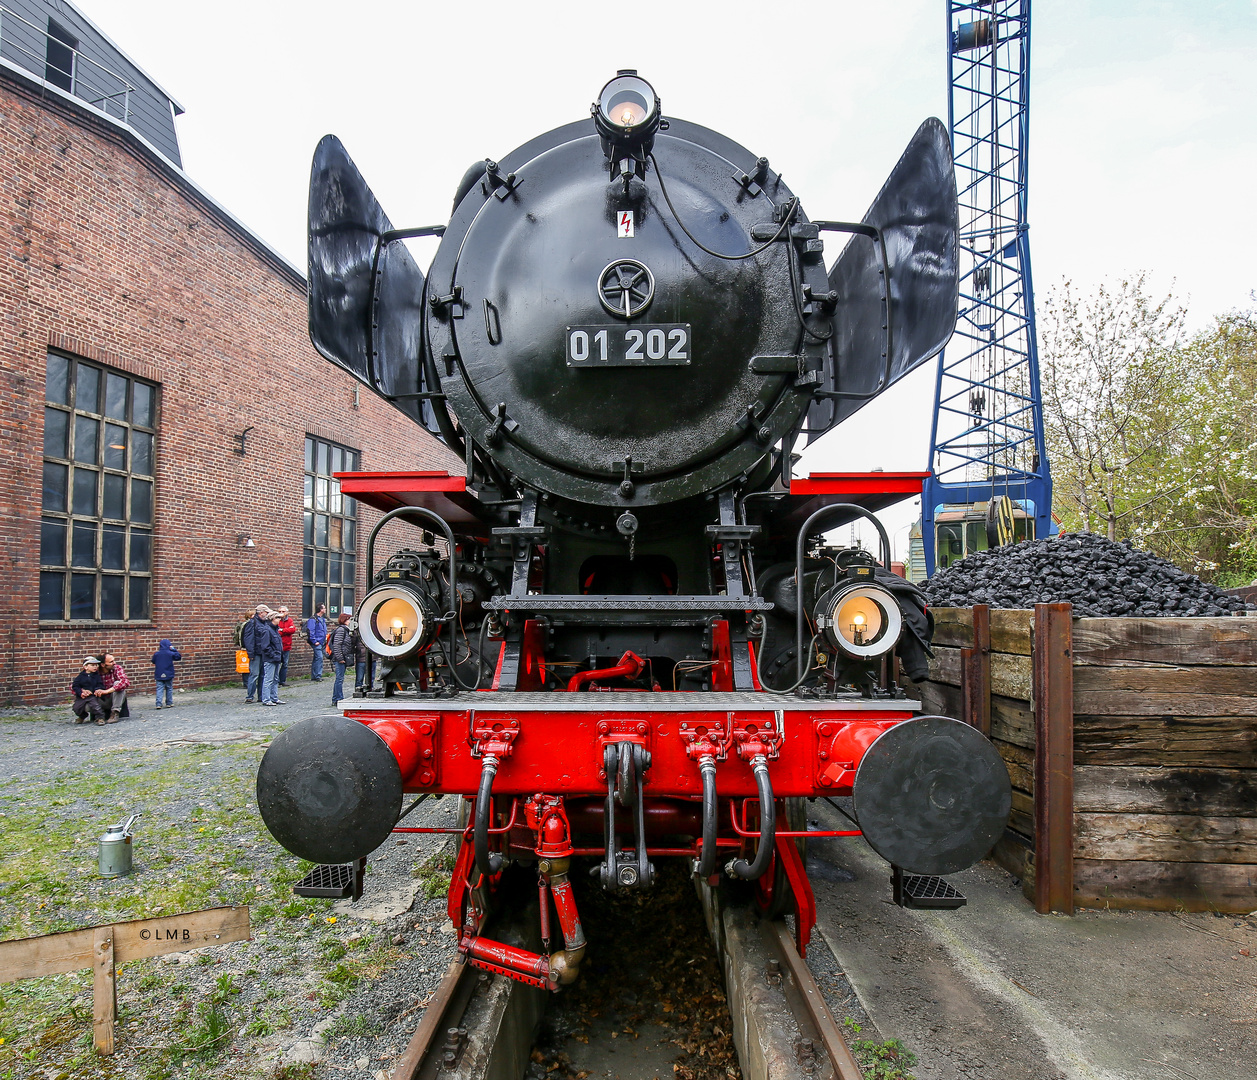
77, 82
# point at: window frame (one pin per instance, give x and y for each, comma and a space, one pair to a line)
120, 581
327, 513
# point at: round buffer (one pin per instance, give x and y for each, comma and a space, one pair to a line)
932, 795
329, 789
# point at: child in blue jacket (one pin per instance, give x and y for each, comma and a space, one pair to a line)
164, 671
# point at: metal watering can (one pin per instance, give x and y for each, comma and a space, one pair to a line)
115, 850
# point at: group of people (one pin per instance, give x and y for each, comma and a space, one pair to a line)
100, 688
266, 635
345, 647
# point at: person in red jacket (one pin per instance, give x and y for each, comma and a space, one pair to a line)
286, 630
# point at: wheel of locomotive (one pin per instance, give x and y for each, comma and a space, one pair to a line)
773, 894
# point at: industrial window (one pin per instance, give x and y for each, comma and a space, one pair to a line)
62, 45
331, 523
96, 532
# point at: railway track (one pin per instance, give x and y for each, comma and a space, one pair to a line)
482, 1027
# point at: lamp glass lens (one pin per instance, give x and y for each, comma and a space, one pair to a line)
627, 102
396, 621
861, 619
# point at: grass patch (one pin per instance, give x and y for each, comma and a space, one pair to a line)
351, 1025
434, 874
887, 1060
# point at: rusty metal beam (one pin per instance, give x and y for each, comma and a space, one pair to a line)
1053, 687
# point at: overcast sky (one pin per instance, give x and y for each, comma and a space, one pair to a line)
1143, 141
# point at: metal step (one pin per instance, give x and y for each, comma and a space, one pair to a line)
331, 880
924, 891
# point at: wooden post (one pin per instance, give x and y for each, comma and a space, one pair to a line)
1053, 687
104, 990
975, 680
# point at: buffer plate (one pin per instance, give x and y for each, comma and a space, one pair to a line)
932, 795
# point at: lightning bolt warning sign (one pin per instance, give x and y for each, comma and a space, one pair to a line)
625, 223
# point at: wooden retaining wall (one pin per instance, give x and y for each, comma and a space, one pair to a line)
1131, 745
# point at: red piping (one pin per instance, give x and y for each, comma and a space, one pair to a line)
630, 665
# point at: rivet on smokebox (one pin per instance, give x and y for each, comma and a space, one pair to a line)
114, 859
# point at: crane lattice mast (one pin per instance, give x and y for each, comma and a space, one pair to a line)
987, 437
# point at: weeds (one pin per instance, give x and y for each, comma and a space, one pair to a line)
351, 1025
888, 1060
434, 874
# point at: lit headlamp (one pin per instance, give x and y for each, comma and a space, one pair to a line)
862, 621
395, 620
626, 116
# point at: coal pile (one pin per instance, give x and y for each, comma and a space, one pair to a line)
1099, 578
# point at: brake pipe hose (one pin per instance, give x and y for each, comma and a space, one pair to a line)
707, 858
755, 869
487, 864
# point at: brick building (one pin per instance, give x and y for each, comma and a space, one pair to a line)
167, 432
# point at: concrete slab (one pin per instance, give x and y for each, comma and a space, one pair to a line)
995, 991
379, 906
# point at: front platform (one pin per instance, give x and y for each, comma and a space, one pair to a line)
613, 703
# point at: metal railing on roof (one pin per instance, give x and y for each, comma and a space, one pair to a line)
83, 77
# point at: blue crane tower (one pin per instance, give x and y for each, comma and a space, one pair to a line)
986, 445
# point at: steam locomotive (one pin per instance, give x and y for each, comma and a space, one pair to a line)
621, 635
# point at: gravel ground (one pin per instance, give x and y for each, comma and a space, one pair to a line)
325, 990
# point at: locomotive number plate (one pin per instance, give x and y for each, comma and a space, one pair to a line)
643, 345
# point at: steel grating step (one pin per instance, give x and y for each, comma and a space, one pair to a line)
334, 880
924, 891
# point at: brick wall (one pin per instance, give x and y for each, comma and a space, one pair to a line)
110, 255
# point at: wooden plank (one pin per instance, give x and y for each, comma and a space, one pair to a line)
1054, 759
1010, 630
1165, 886
1173, 741
1020, 764
1011, 676
1021, 816
1133, 790
939, 699
1125, 703
178, 933
1015, 855
1012, 721
1166, 838
975, 688
55, 954
1013, 752
953, 627
945, 666
1218, 641
104, 989
1200, 683
52, 954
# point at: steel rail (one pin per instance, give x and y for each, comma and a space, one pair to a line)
845, 1065
447, 1004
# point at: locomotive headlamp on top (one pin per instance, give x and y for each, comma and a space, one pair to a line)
626, 117
861, 620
